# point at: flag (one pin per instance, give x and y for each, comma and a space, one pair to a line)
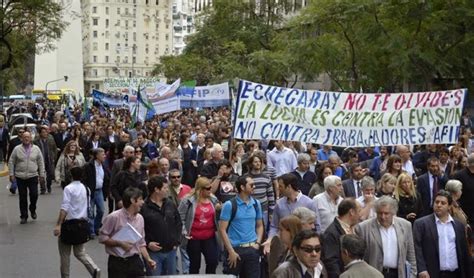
186, 88
133, 120
69, 115
85, 110
142, 99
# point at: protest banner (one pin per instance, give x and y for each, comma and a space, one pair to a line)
206, 96
108, 99
164, 99
347, 119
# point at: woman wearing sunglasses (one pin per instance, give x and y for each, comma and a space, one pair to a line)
198, 213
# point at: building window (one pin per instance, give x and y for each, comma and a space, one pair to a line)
134, 23
107, 23
157, 2
94, 34
118, 11
107, 73
94, 72
118, 23
94, 59
106, 10
106, 46
134, 36
94, 10
167, 37
95, 46
106, 34
146, 2
126, 23
95, 21
134, 59
106, 59
97, 86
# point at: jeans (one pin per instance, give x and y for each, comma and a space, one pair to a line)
165, 263
30, 184
97, 208
208, 248
79, 253
184, 260
248, 266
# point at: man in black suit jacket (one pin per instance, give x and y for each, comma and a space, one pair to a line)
353, 186
4, 137
62, 137
98, 194
348, 213
440, 243
429, 184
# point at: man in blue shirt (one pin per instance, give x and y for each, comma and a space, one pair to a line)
241, 230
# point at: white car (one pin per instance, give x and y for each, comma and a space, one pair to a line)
31, 128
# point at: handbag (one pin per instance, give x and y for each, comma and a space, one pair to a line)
76, 231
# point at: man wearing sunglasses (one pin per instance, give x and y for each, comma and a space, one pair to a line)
306, 263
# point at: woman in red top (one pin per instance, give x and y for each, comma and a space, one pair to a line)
198, 213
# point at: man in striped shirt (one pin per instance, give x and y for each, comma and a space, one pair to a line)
263, 190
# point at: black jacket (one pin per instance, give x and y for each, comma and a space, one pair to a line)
331, 251
425, 237
162, 224
126, 179
423, 187
88, 178
466, 201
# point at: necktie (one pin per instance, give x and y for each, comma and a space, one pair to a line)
359, 190
435, 188
308, 275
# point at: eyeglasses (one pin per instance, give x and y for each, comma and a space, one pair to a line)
207, 188
310, 249
175, 177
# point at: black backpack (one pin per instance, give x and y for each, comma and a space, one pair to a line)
233, 212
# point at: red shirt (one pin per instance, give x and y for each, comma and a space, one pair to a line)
203, 224
184, 190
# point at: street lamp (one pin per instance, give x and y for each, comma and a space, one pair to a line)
65, 78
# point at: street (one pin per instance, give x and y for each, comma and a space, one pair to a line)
31, 250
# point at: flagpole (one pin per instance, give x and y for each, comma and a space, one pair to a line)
138, 103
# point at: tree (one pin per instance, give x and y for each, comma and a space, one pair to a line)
27, 27
394, 45
235, 39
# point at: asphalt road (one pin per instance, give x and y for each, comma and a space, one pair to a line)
31, 250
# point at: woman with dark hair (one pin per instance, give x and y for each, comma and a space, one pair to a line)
94, 142
394, 165
69, 158
129, 176
318, 187
187, 166
78, 136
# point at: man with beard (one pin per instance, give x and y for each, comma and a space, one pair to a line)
48, 148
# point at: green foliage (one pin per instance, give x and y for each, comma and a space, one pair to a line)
388, 45
27, 27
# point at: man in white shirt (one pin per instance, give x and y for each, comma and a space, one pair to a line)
389, 241
328, 201
407, 164
74, 206
440, 242
367, 200
282, 159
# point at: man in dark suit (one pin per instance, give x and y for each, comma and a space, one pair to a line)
353, 186
97, 178
128, 151
4, 137
429, 184
62, 137
440, 243
348, 213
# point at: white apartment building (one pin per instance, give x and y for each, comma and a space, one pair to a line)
183, 24
124, 38
65, 59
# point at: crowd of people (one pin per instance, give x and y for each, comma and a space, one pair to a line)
261, 208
